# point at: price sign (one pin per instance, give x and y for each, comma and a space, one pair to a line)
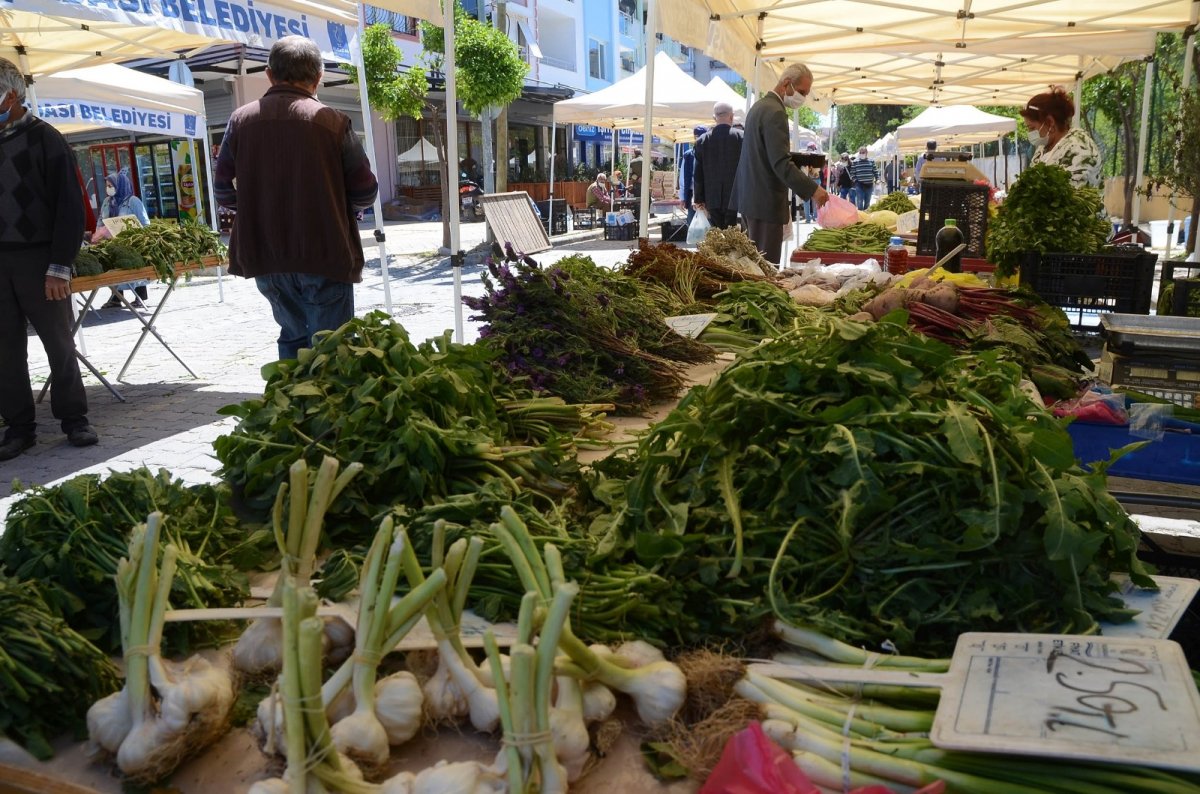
1159, 611
690, 325
1106, 699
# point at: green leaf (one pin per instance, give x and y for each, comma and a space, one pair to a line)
961, 429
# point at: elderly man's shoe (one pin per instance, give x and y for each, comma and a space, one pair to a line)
15, 445
82, 436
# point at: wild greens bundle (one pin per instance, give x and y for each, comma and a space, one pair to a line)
583, 333
69, 537
49, 674
875, 485
426, 421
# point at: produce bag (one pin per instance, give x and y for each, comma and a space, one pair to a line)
753, 764
698, 228
837, 213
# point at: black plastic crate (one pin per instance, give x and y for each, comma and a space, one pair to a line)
674, 232
1087, 285
625, 231
966, 202
1186, 278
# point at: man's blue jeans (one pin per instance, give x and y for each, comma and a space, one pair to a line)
863, 191
303, 304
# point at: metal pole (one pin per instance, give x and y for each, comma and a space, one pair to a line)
365, 106
1142, 137
1188, 50
212, 205
647, 124
456, 255
553, 148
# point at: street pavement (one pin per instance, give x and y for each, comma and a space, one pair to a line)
225, 333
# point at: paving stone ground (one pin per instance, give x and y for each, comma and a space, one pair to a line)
225, 333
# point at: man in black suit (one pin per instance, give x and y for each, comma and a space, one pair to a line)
766, 171
717, 155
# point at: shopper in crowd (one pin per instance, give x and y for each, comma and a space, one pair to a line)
598, 194
1057, 142
296, 174
765, 170
864, 175
119, 199
41, 230
889, 175
717, 154
635, 164
687, 173
617, 185
634, 189
820, 176
845, 181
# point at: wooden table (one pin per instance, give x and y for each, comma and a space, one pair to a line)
91, 286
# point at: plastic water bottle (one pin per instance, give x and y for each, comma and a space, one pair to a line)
949, 238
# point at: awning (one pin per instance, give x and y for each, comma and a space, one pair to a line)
953, 125
115, 97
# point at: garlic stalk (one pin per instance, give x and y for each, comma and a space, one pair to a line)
365, 733
259, 650
658, 689
457, 680
165, 712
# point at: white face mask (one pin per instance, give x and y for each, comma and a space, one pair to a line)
1037, 137
110, 190
794, 101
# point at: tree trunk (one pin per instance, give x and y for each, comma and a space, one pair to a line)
439, 143
1130, 166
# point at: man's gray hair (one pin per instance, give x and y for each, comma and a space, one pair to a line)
295, 59
722, 109
11, 79
795, 73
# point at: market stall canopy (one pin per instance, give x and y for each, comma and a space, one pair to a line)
985, 39
680, 103
422, 154
953, 125
45, 36
721, 92
884, 147
120, 98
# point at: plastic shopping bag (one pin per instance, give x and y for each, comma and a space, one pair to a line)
698, 228
753, 764
837, 213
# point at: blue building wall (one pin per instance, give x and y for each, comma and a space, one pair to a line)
598, 25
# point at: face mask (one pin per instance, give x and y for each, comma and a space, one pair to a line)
1037, 138
794, 101
5, 115
110, 190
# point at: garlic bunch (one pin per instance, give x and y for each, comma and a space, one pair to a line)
166, 711
572, 743
259, 650
463, 777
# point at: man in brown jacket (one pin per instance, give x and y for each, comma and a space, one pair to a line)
296, 174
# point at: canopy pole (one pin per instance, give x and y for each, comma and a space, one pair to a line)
212, 205
1188, 50
456, 255
996, 162
612, 188
30, 91
648, 123
553, 142
1079, 92
368, 127
1142, 139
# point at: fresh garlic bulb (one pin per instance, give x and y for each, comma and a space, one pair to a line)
444, 700
659, 690
338, 640
599, 702
269, 727
259, 651
399, 704
485, 670
341, 707
361, 737
570, 734
400, 784
464, 777
109, 721
274, 785
638, 653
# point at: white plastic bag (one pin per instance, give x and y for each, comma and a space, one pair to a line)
698, 228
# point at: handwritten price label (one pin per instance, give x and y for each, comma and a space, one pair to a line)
1114, 699
690, 325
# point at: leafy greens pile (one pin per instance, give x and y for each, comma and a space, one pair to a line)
426, 422
584, 333
1045, 213
69, 537
868, 482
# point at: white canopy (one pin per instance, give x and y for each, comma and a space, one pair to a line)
953, 125
115, 96
422, 153
721, 92
680, 102
884, 147
924, 51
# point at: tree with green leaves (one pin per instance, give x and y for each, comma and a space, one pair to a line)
1182, 174
1118, 95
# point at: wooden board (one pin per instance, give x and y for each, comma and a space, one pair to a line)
513, 221
14, 780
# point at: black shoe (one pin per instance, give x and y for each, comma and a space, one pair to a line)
113, 303
82, 436
11, 447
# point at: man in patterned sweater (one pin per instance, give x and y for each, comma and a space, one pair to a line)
41, 229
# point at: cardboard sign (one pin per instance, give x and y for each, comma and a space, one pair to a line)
1159, 611
690, 325
120, 223
1106, 699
